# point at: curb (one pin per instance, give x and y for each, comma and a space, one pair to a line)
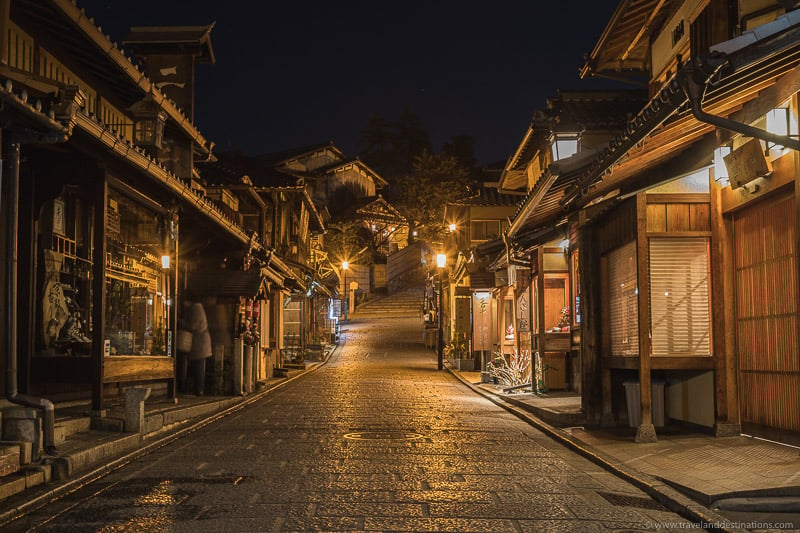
657, 489
72, 485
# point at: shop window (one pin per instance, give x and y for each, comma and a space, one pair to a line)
508, 320
483, 230
556, 298
535, 304
623, 306
679, 296
138, 290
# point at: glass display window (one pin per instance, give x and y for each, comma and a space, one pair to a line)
556, 303
509, 330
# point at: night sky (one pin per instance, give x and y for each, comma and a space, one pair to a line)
290, 74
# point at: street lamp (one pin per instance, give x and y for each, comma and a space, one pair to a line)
345, 264
452, 227
168, 303
441, 262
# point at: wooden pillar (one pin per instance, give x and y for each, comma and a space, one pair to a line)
531, 314
540, 302
99, 289
172, 389
602, 323
726, 416
646, 431
591, 362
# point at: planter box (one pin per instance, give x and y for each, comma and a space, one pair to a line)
467, 365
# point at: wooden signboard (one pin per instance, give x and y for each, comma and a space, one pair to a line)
482, 320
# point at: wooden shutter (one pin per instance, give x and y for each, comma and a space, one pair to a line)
623, 307
679, 299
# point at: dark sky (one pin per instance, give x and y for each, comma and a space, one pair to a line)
293, 73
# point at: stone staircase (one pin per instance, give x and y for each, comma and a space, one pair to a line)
405, 302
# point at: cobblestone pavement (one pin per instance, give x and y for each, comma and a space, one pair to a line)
377, 439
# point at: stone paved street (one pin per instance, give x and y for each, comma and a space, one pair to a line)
376, 439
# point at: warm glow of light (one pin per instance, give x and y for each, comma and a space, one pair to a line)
441, 260
165, 261
452, 227
345, 264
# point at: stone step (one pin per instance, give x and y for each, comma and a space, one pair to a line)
10, 459
65, 427
25, 478
88, 448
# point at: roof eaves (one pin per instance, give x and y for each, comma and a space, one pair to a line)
88, 27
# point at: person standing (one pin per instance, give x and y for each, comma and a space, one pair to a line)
201, 346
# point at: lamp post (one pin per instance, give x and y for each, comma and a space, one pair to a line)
441, 261
345, 264
167, 308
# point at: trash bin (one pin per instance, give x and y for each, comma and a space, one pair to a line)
633, 400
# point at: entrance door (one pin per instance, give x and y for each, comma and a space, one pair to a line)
766, 284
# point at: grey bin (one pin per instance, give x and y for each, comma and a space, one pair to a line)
633, 399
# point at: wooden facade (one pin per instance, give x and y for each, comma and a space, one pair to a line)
113, 225
686, 281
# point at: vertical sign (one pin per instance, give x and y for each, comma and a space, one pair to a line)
523, 300
462, 314
523, 313
482, 320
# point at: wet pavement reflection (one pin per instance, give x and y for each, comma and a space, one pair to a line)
377, 439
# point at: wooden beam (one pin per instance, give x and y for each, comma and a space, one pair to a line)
681, 198
540, 302
99, 288
130, 368
590, 349
646, 431
723, 352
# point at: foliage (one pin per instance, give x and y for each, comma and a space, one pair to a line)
390, 145
347, 241
421, 181
422, 196
515, 370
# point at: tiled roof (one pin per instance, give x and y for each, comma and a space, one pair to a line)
150, 36
247, 283
488, 196
273, 158
231, 166
624, 47
574, 111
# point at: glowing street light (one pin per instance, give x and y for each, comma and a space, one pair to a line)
452, 227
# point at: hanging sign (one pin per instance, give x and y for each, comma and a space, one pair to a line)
482, 320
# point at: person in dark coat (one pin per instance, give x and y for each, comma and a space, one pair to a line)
197, 323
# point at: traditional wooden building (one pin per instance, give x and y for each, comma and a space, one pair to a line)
293, 260
103, 223
540, 304
473, 221
681, 258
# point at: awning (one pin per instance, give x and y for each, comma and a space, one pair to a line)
233, 283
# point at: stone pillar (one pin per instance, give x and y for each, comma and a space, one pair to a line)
134, 408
